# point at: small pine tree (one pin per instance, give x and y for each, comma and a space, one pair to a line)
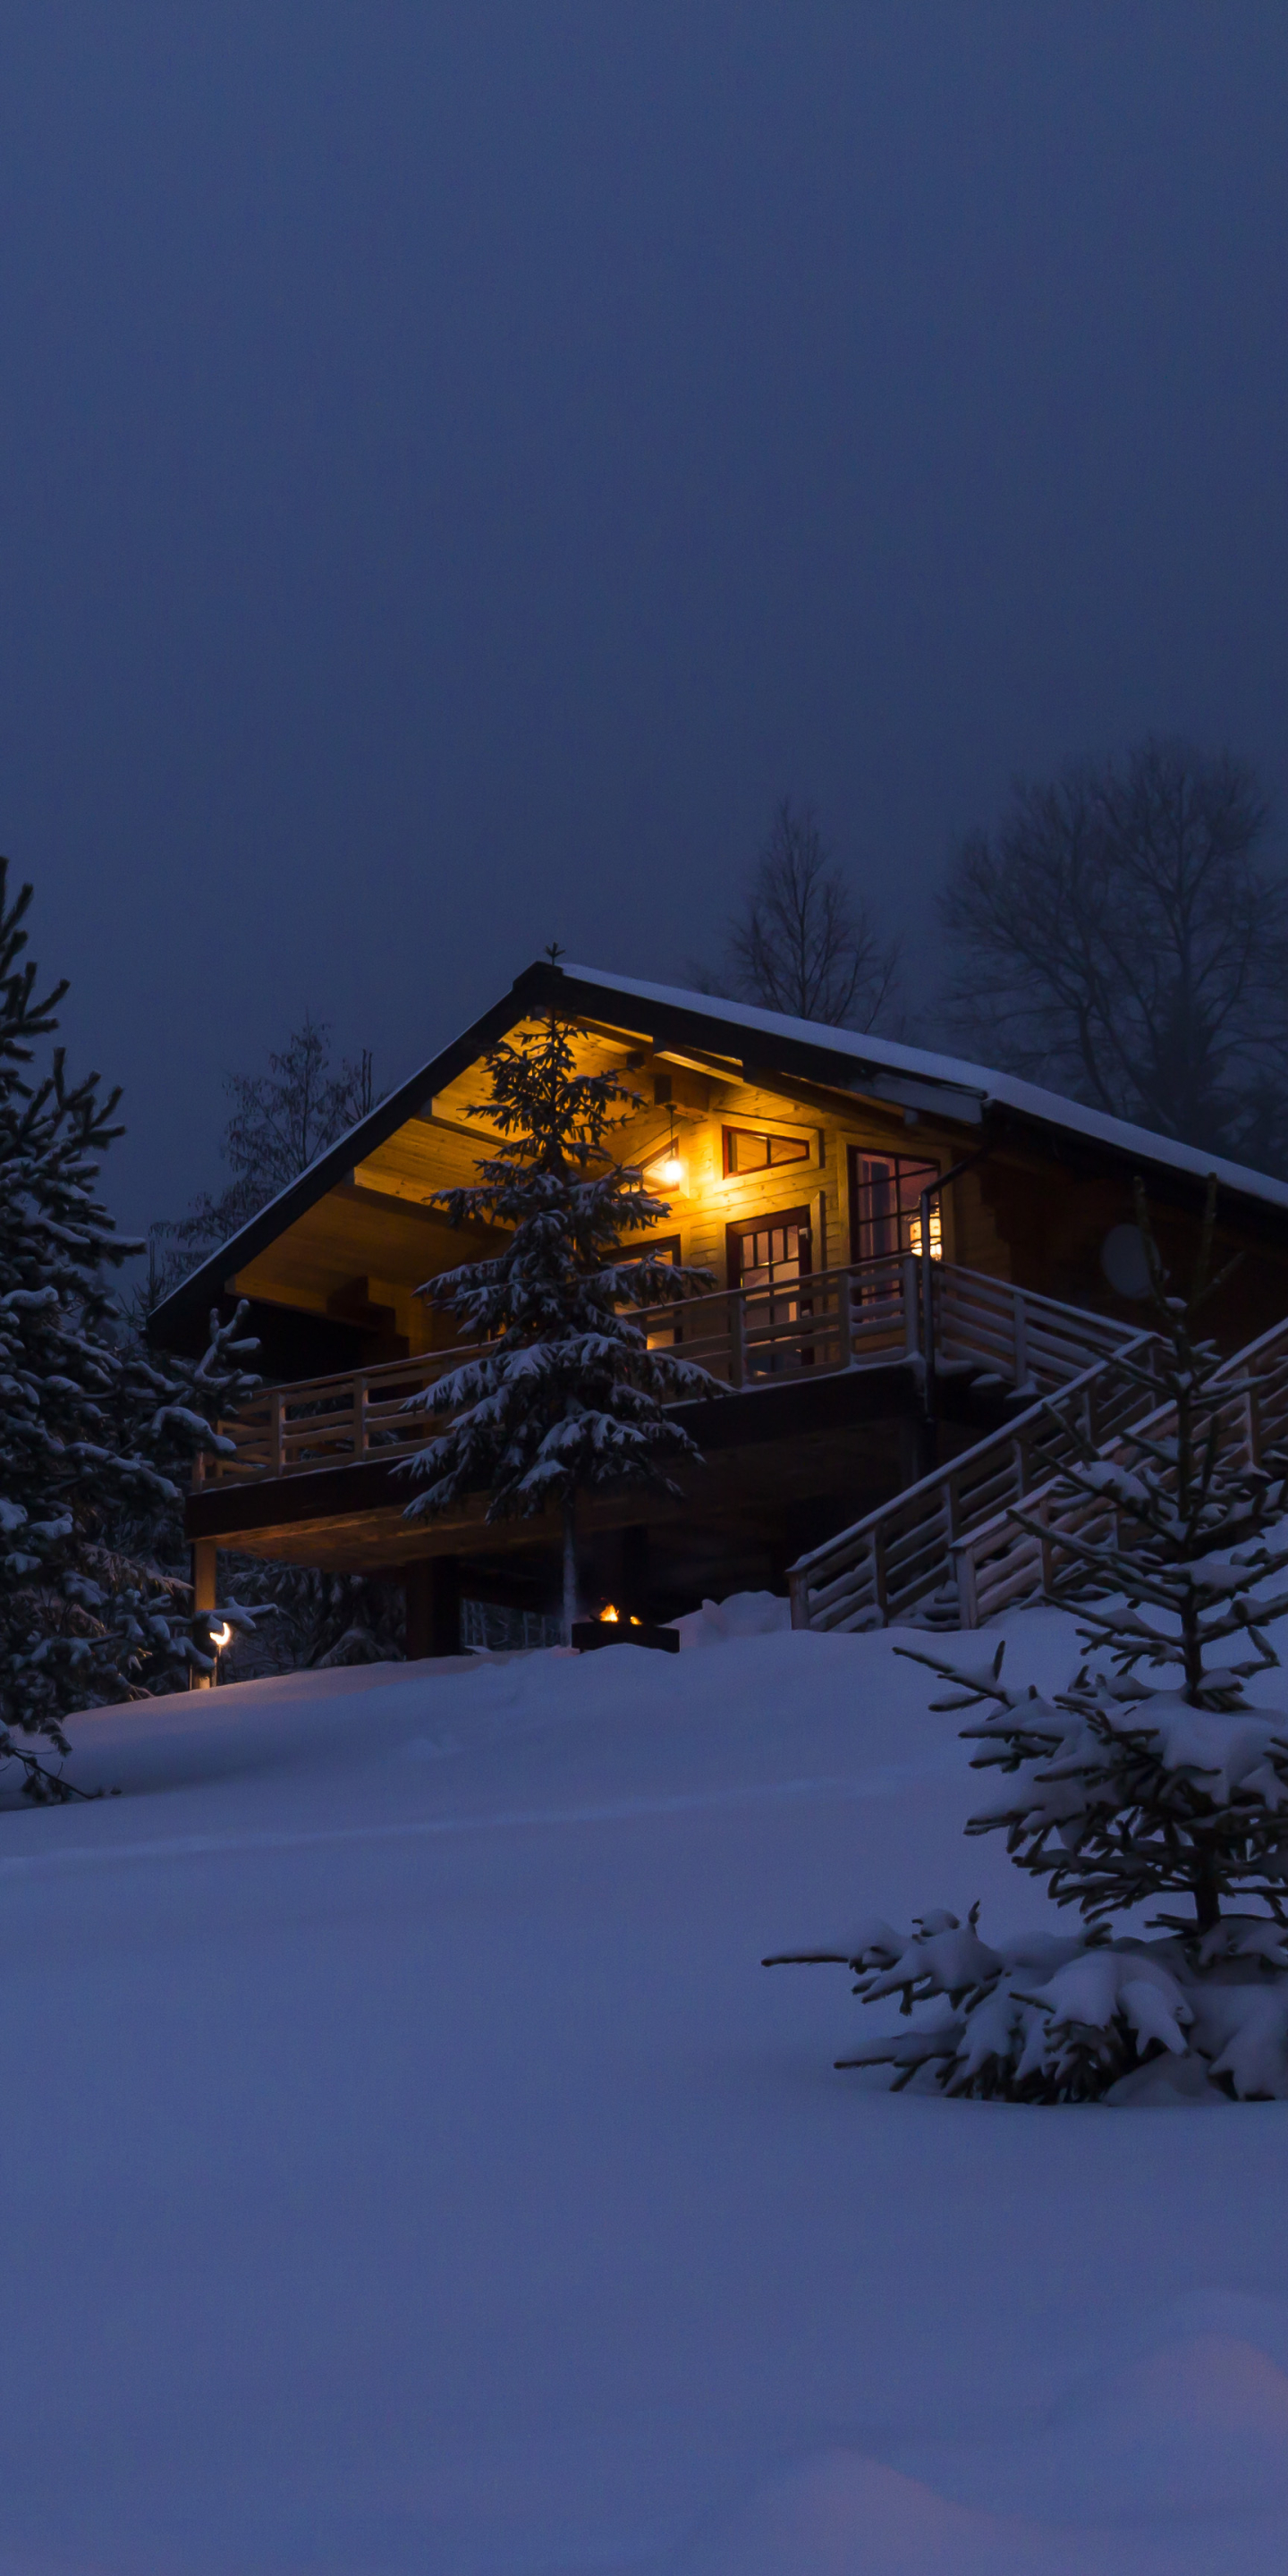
568, 1397
1152, 1775
91, 1425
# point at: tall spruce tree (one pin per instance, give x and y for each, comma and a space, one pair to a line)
1153, 1774
92, 1427
568, 1397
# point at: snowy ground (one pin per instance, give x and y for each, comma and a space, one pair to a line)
409, 2167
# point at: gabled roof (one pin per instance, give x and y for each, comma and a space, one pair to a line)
769, 1046
920, 1079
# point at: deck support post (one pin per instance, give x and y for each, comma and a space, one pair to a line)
205, 1595
911, 1450
432, 1593
927, 1436
633, 1571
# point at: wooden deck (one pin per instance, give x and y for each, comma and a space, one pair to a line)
869, 1314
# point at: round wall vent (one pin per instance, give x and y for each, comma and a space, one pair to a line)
1122, 1259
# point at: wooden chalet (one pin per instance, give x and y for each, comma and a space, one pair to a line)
809, 1169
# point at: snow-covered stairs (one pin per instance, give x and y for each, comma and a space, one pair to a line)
948, 1552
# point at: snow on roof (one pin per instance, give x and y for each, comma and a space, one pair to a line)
880, 1066
1006, 1090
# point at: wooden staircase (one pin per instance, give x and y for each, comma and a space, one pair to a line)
948, 1553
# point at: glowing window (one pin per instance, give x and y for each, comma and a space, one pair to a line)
745, 1150
885, 1205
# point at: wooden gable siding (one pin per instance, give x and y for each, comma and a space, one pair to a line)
1052, 1218
376, 1227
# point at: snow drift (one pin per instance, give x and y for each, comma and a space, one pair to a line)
410, 2168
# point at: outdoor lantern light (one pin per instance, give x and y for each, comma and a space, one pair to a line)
221, 1636
670, 1169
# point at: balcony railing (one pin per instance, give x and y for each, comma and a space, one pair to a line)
867, 1314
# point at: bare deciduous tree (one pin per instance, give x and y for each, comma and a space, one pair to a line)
283, 1118
803, 943
1120, 938
281, 1121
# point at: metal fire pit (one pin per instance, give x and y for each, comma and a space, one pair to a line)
589, 1634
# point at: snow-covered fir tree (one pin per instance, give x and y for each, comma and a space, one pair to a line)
568, 1397
1154, 1774
93, 1428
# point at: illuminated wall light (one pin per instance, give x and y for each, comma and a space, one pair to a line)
936, 1235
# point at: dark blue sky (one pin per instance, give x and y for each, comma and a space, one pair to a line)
461, 463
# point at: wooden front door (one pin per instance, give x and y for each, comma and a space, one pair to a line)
769, 1260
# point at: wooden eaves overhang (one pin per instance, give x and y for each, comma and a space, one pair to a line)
774, 1059
181, 1320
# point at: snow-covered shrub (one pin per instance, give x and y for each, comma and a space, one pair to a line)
1151, 1775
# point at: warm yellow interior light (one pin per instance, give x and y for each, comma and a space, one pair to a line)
936, 1235
608, 1617
636, 1623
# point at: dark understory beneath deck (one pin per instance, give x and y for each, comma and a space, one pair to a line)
785, 1466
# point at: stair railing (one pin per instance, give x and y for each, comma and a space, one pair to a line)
899, 1556
998, 1563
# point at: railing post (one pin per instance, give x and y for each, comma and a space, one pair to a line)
967, 1590
1252, 1427
737, 1338
359, 1417
1046, 1553
798, 1592
880, 1579
844, 1317
1020, 1329
275, 1431
928, 1324
911, 1326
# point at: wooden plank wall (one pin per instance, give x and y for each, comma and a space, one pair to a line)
374, 1226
